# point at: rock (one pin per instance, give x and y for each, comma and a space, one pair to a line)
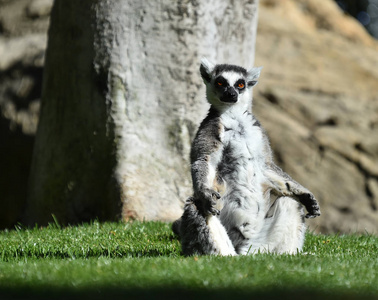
39, 8
15, 19
22, 47
317, 98
142, 133
372, 190
28, 50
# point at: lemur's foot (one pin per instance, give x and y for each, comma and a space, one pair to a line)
176, 226
311, 204
208, 198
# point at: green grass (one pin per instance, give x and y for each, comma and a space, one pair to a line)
134, 260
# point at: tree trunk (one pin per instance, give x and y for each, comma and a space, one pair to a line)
122, 98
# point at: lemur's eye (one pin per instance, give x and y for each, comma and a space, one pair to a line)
221, 82
240, 84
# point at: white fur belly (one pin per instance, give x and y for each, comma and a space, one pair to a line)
241, 167
243, 208
242, 162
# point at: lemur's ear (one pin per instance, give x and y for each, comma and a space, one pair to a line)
206, 68
252, 76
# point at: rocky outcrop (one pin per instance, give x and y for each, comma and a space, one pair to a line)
317, 98
23, 37
122, 103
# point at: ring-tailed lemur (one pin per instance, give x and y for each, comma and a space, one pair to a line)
232, 167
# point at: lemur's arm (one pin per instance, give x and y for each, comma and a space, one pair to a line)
202, 172
282, 184
204, 155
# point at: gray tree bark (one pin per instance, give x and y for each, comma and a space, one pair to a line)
122, 98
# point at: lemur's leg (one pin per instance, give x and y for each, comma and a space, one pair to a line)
283, 185
283, 230
202, 234
284, 226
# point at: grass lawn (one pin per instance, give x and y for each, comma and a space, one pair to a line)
143, 260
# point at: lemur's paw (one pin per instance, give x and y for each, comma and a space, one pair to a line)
311, 204
209, 198
213, 211
313, 211
208, 208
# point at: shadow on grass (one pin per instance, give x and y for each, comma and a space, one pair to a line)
173, 293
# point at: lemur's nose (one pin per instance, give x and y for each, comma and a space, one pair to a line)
230, 93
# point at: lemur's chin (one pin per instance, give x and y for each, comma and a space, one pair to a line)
229, 100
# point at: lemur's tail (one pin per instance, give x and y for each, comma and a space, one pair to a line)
202, 235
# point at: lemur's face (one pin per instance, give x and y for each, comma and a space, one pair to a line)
227, 84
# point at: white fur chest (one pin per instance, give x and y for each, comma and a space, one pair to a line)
242, 148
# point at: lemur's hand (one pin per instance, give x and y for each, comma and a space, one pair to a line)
208, 199
304, 196
311, 204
